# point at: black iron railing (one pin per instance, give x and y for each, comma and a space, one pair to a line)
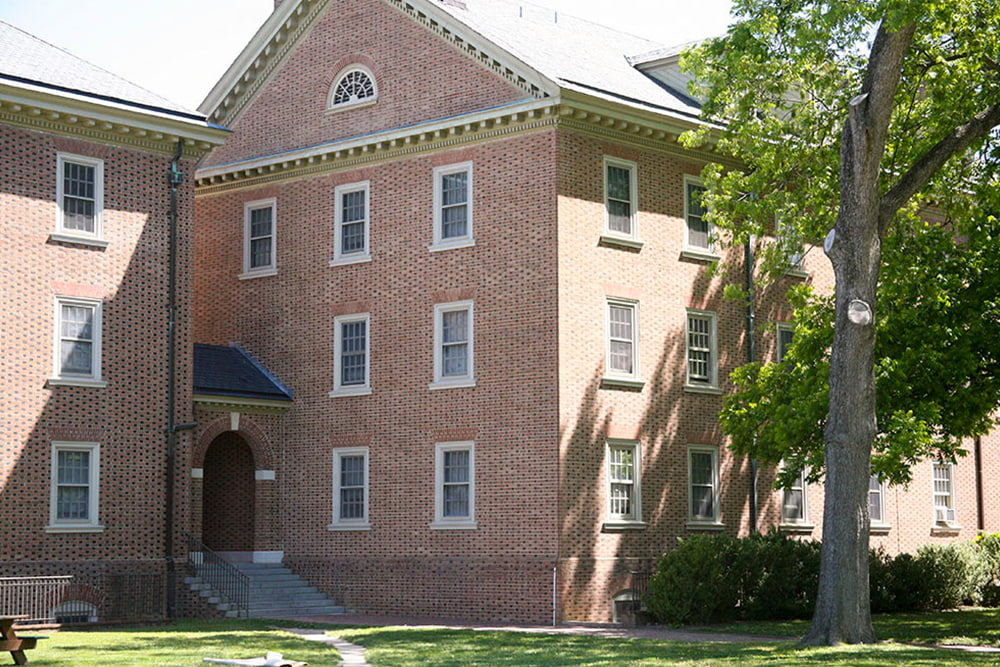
224, 577
93, 598
639, 587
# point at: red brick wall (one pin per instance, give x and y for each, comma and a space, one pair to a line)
128, 417
287, 322
420, 78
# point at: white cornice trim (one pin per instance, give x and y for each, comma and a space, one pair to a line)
224, 403
37, 107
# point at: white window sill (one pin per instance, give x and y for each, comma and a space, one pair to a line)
76, 382
74, 528
353, 391
625, 242
454, 525
700, 255
695, 524
945, 529
452, 245
351, 259
796, 272
349, 526
262, 273
616, 525
91, 241
451, 384
796, 528
702, 389
622, 383
879, 529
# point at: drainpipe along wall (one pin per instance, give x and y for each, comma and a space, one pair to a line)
175, 177
751, 357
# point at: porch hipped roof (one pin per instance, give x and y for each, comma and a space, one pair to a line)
229, 372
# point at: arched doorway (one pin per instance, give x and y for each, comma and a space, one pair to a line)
228, 495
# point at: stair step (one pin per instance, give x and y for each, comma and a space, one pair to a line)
275, 592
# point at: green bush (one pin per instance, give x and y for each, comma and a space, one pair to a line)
950, 574
694, 583
989, 553
711, 579
897, 584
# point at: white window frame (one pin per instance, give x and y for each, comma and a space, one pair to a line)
339, 388
92, 523
272, 268
363, 102
442, 522
614, 377
697, 520
614, 236
945, 515
339, 256
801, 485
712, 386
62, 233
691, 251
467, 239
442, 381
882, 522
339, 522
92, 379
617, 520
780, 349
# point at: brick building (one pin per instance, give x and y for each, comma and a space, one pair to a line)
465, 236
87, 367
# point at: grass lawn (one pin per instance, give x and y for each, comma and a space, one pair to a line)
186, 642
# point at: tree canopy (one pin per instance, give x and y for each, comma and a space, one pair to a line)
849, 120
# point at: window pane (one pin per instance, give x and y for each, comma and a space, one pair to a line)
702, 502
699, 349
260, 222
453, 188
453, 221
73, 467
456, 500
698, 228
456, 466
352, 503
619, 197
793, 508
352, 471
73, 502
354, 86
353, 344
79, 185
875, 499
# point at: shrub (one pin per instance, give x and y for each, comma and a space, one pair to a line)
897, 584
782, 577
694, 583
950, 573
988, 546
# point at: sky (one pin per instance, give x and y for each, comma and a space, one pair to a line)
181, 48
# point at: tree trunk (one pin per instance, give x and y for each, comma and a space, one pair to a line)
843, 607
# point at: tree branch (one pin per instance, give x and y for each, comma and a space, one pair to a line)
930, 162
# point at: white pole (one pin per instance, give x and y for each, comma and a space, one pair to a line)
553, 596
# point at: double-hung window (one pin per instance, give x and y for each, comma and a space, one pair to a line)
80, 194
624, 495
703, 485
698, 231
74, 492
622, 347
350, 489
620, 203
453, 345
351, 229
455, 486
876, 502
702, 352
77, 342
786, 333
944, 494
453, 207
352, 355
259, 238
795, 501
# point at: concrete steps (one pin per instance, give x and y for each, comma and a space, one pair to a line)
275, 592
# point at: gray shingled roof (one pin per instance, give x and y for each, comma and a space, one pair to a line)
25, 58
221, 370
577, 54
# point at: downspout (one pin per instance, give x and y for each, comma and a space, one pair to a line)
980, 513
751, 357
174, 177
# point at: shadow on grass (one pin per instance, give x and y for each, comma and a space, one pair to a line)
398, 647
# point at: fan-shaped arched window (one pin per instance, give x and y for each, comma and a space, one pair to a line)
355, 86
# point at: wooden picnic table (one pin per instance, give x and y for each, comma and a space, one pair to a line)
9, 641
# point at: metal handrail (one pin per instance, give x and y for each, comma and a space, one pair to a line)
640, 587
34, 597
222, 575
